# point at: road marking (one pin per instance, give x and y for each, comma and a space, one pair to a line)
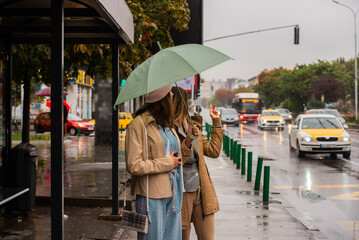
317, 186
346, 196
351, 227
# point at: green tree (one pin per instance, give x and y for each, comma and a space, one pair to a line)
270, 86
31, 64
242, 90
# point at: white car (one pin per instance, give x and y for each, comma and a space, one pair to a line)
319, 133
270, 119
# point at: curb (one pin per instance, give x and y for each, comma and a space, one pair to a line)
353, 126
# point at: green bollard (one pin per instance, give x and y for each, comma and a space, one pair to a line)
224, 142
234, 151
239, 150
249, 167
78, 131
258, 174
231, 149
227, 146
266, 184
243, 171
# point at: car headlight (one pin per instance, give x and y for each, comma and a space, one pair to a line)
263, 120
281, 120
345, 138
236, 118
307, 139
81, 125
223, 118
290, 116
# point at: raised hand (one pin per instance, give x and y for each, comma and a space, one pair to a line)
213, 112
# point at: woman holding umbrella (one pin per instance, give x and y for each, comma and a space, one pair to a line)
153, 157
199, 199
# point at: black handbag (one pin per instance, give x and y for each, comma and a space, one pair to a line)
132, 220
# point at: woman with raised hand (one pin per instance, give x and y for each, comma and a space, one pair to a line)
199, 199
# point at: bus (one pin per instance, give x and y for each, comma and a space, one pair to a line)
248, 106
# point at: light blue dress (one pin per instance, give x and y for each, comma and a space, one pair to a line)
164, 214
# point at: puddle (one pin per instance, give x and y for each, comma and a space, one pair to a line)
306, 194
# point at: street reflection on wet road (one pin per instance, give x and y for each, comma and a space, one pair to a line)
87, 168
324, 190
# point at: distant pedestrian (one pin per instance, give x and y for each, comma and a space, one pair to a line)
163, 169
199, 199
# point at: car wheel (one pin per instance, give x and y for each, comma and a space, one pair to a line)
346, 154
39, 129
333, 155
72, 131
299, 152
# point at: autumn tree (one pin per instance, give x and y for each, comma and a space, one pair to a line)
225, 96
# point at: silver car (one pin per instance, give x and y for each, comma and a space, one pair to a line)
287, 116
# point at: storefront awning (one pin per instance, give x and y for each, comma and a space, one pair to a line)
86, 21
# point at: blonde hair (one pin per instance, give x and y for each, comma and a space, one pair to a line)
180, 109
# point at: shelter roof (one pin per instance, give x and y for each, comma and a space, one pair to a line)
84, 20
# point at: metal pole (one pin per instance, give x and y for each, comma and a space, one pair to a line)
115, 141
355, 56
57, 119
356, 66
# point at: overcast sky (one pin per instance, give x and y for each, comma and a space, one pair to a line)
326, 33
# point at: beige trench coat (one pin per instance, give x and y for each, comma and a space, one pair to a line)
157, 166
210, 149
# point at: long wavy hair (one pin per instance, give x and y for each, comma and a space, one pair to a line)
162, 111
180, 114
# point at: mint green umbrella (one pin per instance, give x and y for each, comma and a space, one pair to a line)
169, 66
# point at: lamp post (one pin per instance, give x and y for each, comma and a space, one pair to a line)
355, 56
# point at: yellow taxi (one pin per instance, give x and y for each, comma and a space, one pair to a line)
270, 119
124, 118
319, 133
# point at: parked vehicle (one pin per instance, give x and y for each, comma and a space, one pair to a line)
319, 133
229, 116
124, 118
74, 122
270, 119
248, 106
333, 112
42, 124
287, 116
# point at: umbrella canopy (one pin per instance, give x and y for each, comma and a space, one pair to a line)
48, 104
169, 66
46, 92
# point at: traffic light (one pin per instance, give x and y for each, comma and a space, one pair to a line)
296, 35
123, 82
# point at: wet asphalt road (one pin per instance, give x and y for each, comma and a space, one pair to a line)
324, 190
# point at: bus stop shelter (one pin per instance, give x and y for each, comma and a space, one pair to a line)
57, 22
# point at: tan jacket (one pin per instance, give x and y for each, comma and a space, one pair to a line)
157, 166
210, 149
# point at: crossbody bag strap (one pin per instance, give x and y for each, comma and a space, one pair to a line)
147, 205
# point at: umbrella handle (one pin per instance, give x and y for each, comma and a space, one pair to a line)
189, 135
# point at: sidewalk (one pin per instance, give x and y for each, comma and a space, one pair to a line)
242, 214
